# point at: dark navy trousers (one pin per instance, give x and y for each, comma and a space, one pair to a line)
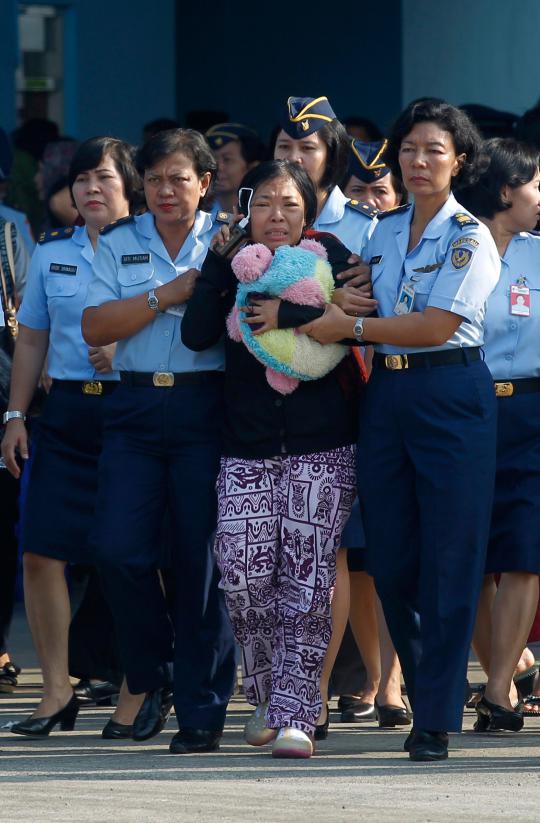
161, 454
426, 469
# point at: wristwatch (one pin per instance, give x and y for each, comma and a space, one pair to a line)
13, 415
359, 330
153, 302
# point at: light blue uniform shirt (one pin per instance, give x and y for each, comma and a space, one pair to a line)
512, 343
454, 267
23, 226
350, 226
130, 260
55, 296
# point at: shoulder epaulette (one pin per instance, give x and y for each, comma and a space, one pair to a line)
114, 225
56, 234
362, 208
396, 210
462, 219
223, 217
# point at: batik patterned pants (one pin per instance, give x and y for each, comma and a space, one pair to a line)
279, 527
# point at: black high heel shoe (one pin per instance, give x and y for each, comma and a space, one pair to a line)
321, 730
390, 716
42, 726
493, 718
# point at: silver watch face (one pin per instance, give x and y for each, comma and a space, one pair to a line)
153, 302
359, 328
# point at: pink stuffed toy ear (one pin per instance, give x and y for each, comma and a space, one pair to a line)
314, 246
251, 262
281, 382
233, 325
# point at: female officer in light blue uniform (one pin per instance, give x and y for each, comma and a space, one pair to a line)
311, 134
426, 453
162, 448
67, 437
507, 200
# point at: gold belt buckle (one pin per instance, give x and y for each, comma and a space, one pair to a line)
92, 387
396, 361
163, 379
504, 389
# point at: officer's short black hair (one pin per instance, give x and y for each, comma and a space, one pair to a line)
271, 169
189, 142
89, 155
467, 139
512, 164
337, 142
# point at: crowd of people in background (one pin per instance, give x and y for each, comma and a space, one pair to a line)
278, 402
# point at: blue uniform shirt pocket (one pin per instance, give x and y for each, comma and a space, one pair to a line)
135, 279
61, 286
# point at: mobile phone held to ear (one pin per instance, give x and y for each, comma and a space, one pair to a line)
238, 233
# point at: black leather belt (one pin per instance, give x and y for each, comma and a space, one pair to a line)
89, 387
524, 385
426, 359
168, 379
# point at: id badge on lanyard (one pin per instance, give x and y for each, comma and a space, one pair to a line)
405, 301
520, 298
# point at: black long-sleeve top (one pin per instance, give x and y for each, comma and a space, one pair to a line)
259, 422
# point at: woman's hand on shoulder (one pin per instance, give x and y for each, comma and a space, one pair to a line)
359, 275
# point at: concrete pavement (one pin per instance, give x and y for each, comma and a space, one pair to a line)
359, 773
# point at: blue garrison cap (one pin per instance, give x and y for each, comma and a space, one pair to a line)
304, 115
223, 133
6, 156
366, 160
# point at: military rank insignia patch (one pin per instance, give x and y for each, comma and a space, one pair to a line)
460, 257
464, 219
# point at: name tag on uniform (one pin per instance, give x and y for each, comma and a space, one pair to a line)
62, 268
131, 259
520, 300
405, 301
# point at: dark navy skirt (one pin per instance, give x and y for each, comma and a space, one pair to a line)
354, 539
514, 543
66, 444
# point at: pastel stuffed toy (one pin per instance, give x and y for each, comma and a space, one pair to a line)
302, 275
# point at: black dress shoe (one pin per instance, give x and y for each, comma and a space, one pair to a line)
42, 726
408, 740
100, 694
116, 731
8, 677
153, 713
321, 730
390, 716
494, 718
426, 746
191, 741
355, 710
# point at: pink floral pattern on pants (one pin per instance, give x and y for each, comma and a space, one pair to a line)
279, 527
